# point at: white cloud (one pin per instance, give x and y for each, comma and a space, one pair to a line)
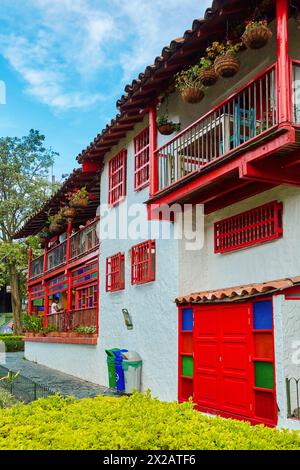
67, 50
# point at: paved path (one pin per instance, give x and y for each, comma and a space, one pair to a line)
55, 380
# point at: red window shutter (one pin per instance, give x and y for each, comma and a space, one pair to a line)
141, 159
117, 178
258, 225
115, 275
143, 262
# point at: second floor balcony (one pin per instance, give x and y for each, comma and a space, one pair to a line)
74, 247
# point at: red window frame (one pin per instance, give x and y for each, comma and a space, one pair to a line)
141, 159
115, 272
143, 262
83, 297
258, 225
117, 178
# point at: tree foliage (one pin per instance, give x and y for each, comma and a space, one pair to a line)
24, 167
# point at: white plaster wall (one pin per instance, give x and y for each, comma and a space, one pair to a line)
205, 270
151, 305
287, 354
75, 359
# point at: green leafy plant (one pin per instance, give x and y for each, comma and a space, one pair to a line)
164, 121
33, 324
49, 329
78, 195
218, 49
255, 24
11, 376
188, 78
206, 63
88, 330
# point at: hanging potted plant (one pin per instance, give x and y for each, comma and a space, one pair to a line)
44, 235
166, 126
207, 72
227, 63
57, 223
189, 85
79, 198
257, 34
68, 212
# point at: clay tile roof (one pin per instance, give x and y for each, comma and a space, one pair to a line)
150, 71
239, 292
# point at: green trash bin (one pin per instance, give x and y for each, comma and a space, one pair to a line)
111, 366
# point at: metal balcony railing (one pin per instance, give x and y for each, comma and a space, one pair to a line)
84, 240
241, 118
57, 256
293, 397
36, 267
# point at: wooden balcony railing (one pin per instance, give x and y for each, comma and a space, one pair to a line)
84, 241
69, 321
81, 243
242, 117
36, 267
57, 256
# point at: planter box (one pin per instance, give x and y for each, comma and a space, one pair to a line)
29, 334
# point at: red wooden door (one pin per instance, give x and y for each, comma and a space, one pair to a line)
223, 373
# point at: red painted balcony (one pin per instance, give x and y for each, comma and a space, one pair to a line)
247, 144
36, 267
81, 243
242, 118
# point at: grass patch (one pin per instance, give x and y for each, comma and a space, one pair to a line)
6, 399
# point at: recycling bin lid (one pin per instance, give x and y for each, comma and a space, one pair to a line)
131, 356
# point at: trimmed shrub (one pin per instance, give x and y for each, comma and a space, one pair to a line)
129, 423
13, 343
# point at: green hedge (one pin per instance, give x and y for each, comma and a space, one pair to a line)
12, 343
129, 423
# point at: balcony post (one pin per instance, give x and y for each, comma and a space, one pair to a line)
153, 147
29, 262
69, 233
284, 82
46, 304
69, 299
45, 257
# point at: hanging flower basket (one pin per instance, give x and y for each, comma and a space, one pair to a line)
208, 76
166, 129
227, 65
257, 35
69, 212
192, 94
79, 203
55, 228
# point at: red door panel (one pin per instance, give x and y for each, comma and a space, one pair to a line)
222, 358
235, 359
206, 373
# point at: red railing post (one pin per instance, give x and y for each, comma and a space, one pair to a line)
284, 82
29, 262
46, 304
153, 146
45, 257
69, 233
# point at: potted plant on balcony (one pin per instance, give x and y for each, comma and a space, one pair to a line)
207, 71
68, 212
257, 34
79, 198
57, 223
166, 126
44, 235
227, 63
33, 325
86, 330
189, 85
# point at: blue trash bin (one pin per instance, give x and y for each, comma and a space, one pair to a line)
120, 379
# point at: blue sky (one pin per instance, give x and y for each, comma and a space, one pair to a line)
66, 62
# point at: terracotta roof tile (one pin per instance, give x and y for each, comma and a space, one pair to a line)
239, 292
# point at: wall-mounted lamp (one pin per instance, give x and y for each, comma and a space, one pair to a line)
127, 319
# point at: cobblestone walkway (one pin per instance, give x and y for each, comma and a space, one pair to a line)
67, 385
